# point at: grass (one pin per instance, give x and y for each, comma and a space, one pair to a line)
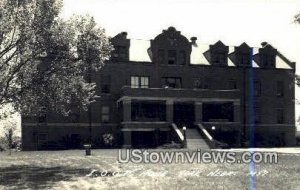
69, 170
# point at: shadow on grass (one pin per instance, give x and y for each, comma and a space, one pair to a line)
33, 177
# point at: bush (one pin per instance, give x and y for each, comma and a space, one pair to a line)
108, 139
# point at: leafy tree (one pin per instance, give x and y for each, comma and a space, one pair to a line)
45, 60
297, 18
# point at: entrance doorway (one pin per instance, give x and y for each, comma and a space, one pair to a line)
184, 114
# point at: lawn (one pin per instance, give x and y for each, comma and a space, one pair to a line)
70, 169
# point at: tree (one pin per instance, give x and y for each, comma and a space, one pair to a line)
44, 60
297, 18
9, 131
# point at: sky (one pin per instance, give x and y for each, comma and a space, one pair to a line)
231, 21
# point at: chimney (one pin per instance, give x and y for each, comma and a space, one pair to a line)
264, 44
124, 34
193, 40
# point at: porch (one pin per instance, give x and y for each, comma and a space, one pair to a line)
150, 110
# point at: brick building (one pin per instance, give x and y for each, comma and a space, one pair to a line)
149, 90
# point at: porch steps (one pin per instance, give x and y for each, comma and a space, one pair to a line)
194, 140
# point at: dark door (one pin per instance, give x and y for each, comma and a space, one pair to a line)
184, 114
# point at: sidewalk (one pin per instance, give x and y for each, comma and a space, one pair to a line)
293, 150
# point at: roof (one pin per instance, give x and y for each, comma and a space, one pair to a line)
138, 52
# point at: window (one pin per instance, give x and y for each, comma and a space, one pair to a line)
105, 83
280, 116
257, 115
74, 117
120, 51
232, 84
42, 115
171, 82
197, 84
219, 58
139, 82
280, 89
135, 82
257, 88
206, 83
244, 59
171, 57
105, 114
148, 111
144, 82
161, 56
201, 83
218, 112
267, 60
182, 57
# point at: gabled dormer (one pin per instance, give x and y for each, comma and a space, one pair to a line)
217, 54
121, 47
266, 57
242, 55
171, 48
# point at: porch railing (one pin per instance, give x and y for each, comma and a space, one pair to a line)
209, 139
213, 143
179, 135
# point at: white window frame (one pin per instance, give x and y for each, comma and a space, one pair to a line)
139, 82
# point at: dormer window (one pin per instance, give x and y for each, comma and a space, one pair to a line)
219, 58
243, 59
121, 47
182, 57
120, 52
266, 56
217, 54
268, 60
171, 48
242, 55
161, 56
172, 57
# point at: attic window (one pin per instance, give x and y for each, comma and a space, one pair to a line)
219, 58
182, 57
171, 57
243, 59
268, 60
161, 56
120, 51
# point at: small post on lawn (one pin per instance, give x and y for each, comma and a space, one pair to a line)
87, 148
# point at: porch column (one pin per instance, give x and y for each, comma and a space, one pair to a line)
198, 112
170, 110
236, 107
127, 139
126, 110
